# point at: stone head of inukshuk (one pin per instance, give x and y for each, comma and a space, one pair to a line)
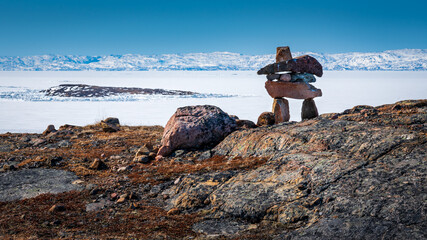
291, 77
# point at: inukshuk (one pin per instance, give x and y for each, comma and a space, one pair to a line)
291, 77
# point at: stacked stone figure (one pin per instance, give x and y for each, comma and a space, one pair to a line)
291, 77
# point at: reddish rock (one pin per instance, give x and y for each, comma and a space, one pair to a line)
195, 127
281, 110
302, 64
283, 54
309, 109
113, 196
266, 119
297, 90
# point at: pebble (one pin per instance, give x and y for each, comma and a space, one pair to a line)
57, 208
173, 211
97, 164
78, 181
113, 196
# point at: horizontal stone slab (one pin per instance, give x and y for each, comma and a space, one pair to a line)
302, 64
296, 90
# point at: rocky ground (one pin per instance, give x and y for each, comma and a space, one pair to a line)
360, 174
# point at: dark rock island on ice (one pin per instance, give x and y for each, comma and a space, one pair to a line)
82, 90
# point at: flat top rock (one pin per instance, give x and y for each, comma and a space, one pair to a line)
301, 64
29, 183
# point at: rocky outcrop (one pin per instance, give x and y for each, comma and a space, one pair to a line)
361, 172
195, 127
82, 90
29, 183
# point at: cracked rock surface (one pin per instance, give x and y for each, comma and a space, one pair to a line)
360, 174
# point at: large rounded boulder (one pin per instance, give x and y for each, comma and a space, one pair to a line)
195, 127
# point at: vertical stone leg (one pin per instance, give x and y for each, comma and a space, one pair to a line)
281, 110
309, 109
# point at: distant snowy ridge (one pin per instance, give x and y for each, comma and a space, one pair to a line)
394, 60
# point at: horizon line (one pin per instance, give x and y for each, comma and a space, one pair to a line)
158, 54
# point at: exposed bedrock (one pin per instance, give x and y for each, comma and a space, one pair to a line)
361, 172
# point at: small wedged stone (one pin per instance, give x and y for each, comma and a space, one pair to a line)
302, 64
296, 90
286, 77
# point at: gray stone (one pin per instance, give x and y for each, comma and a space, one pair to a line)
303, 77
29, 183
272, 77
215, 228
112, 120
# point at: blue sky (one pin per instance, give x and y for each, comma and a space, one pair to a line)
100, 27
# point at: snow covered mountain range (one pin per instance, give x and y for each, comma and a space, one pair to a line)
396, 60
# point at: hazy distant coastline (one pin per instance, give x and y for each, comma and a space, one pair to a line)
392, 60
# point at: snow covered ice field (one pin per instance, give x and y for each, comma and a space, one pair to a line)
241, 93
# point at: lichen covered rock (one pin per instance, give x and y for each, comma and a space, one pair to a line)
362, 172
195, 127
